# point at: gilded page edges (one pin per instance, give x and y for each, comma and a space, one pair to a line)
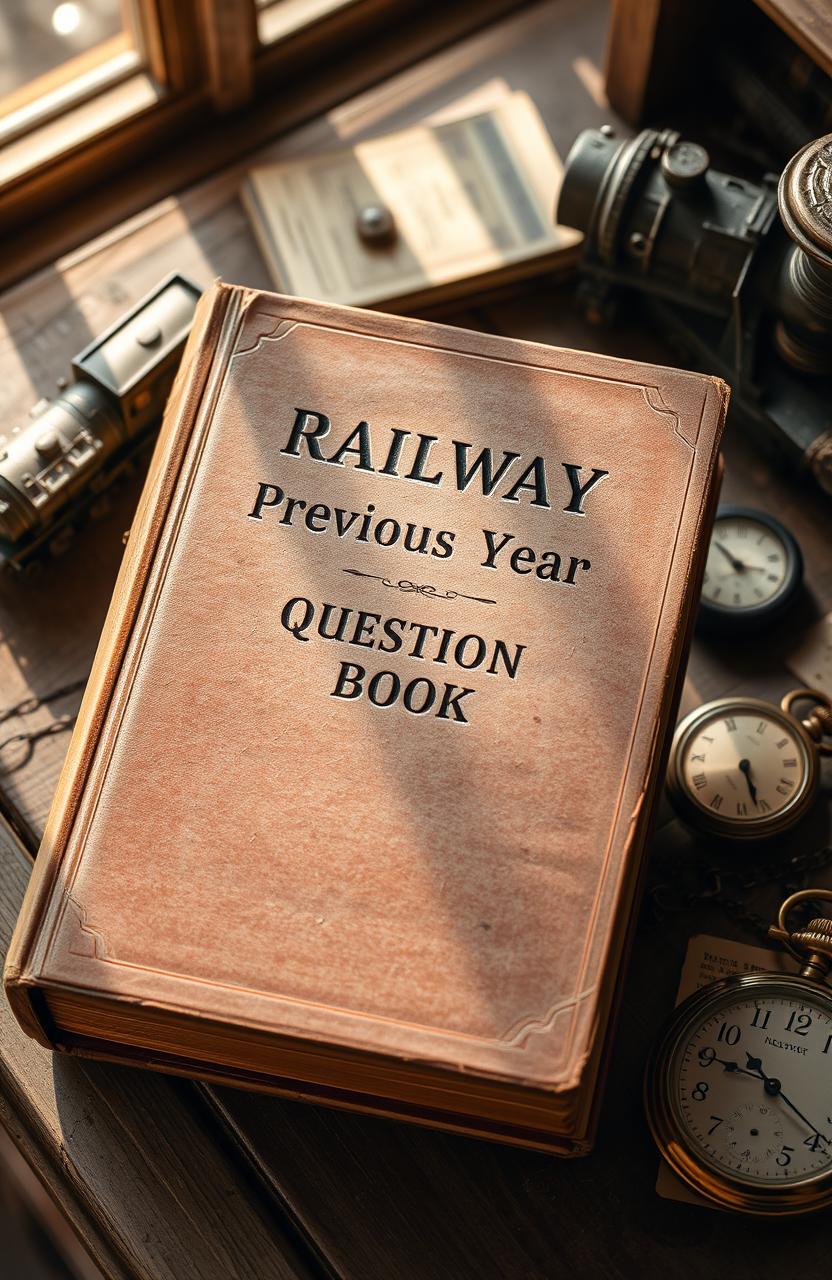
44, 896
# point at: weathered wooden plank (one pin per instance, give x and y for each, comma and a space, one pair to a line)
808, 23
128, 1156
649, 54
29, 1247
34, 1227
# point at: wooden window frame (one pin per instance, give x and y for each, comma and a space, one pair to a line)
66, 150
652, 43
208, 92
76, 81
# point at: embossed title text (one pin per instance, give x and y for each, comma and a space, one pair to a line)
422, 459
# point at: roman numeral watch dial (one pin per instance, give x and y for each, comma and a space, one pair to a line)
753, 572
737, 1090
746, 769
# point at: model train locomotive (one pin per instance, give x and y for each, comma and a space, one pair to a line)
55, 467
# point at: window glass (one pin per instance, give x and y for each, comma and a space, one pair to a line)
44, 45
279, 18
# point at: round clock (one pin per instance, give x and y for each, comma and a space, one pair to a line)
753, 570
745, 769
736, 1090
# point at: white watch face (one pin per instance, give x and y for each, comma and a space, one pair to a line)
747, 564
749, 1084
742, 765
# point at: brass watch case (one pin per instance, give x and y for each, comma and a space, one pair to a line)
716, 824
680, 1153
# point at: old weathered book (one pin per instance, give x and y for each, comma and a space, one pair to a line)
356, 803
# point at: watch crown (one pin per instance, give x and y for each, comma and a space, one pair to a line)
817, 936
812, 945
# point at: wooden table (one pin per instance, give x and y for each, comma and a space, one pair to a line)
167, 1179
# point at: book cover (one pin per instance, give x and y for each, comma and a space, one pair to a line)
356, 802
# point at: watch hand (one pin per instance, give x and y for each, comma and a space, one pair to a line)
745, 767
734, 1067
754, 568
773, 1087
771, 1083
736, 565
808, 1123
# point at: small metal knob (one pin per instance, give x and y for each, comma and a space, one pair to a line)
376, 225
48, 445
812, 945
817, 936
150, 336
684, 164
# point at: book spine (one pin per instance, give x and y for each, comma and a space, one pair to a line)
43, 895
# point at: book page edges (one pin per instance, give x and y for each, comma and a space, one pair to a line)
44, 895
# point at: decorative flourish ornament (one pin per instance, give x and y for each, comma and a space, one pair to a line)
404, 584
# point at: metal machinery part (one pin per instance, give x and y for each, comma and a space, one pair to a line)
54, 467
747, 294
804, 331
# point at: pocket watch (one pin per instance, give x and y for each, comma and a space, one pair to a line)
737, 1089
753, 571
745, 769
